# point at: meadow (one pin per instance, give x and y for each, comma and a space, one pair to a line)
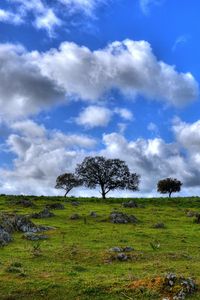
75, 261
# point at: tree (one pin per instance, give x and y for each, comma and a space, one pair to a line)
67, 182
109, 174
169, 186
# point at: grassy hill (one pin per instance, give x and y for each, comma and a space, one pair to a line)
75, 262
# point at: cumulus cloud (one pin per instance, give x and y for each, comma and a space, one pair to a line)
129, 66
124, 113
94, 116
41, 156
46, 15
23, 90
33, 81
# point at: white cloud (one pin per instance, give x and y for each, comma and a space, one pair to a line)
9, 17
181, 40
128, 66
41, 155
94, 116
146, 5
33, 81
152, 127
48, 20
124, 113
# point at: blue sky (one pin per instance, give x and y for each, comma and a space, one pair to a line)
93, 77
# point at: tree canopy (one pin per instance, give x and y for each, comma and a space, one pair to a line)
169, 186
67, 182
108, 174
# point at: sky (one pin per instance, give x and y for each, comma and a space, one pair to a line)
115, 78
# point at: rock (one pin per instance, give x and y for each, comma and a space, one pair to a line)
122, 257
93, 214
5, 237
116, 249
197, 220
128, 249
34, 237
55, 206
130, 204
75, 217
182, 286
75, 203
122, 218
159, 226
191, 214
23, 202
43, 214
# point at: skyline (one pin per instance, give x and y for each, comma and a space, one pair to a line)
85, 77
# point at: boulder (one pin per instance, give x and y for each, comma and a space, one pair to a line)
122, 257
116, 249
122, 218
43, 214
34, 237
130, 204
75, 217
55, 206
159, 225
5, 237
192, 214
75, 203
93, 214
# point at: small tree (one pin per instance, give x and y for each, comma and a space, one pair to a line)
109, 174
67, 182
169, 186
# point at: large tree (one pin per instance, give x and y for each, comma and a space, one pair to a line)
169, 186
67, 182
108, 174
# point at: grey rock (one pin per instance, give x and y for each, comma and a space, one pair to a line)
128, 249
159, 225
34, 237
191, 214
75, 217
116, 249
130, 204
122, 218
93, 214
43, 214
55, 206
75, 203
122, 257
5, 237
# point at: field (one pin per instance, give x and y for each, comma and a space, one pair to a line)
75, 262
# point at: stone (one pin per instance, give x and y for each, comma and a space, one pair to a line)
55, 206
128, 249
116, 249
122, 257
93, 214
197, 220
130, 204
191, 214
122, 218
5, 237
159, 225
43, 214
34, 237
75, 217
75, 203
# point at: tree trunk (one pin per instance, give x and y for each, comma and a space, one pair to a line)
170, 194
103, 195
66, 194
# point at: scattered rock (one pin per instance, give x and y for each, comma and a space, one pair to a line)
122, 218
5, 237
43, 214
159, 226
130, 204
12, 222
116, 249
75, 217
181, 286
119, 249
55, 206
93, 214
34, 237
122, 257
75, 203
191, 214
197, 220
22, 202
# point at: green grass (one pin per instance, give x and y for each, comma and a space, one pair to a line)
74, 262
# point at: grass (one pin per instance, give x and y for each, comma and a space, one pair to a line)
74, 263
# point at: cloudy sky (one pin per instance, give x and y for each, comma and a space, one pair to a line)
118, 78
